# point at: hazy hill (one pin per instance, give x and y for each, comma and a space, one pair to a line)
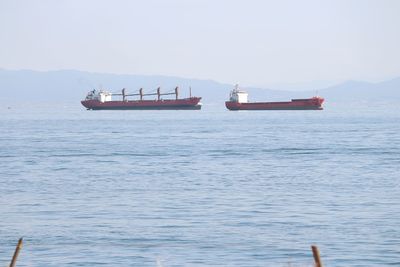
363, 91
71, 86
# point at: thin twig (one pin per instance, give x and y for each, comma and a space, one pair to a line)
317, 258
16, 253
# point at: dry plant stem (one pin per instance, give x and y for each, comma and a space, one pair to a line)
317, 258
16, 253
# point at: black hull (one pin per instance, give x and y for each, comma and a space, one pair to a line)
283, 108
197, 107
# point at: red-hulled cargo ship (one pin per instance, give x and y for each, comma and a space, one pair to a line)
238, 101
103, 100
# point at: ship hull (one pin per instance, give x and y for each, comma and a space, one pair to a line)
314, 103
178, 104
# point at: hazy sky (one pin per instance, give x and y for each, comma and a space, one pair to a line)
251, 42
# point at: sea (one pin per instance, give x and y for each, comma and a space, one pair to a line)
200, 188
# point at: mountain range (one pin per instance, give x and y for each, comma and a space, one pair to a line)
71, 86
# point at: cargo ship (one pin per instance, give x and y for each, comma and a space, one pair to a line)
239, 101
100, 100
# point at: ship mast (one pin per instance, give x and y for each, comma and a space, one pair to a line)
123, 94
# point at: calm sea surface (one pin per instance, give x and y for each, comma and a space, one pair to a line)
200, 188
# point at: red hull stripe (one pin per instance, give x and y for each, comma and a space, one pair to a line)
186, 103
296, 104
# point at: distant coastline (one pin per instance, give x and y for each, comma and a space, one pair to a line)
72, 85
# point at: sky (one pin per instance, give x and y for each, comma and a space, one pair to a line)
252, 42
